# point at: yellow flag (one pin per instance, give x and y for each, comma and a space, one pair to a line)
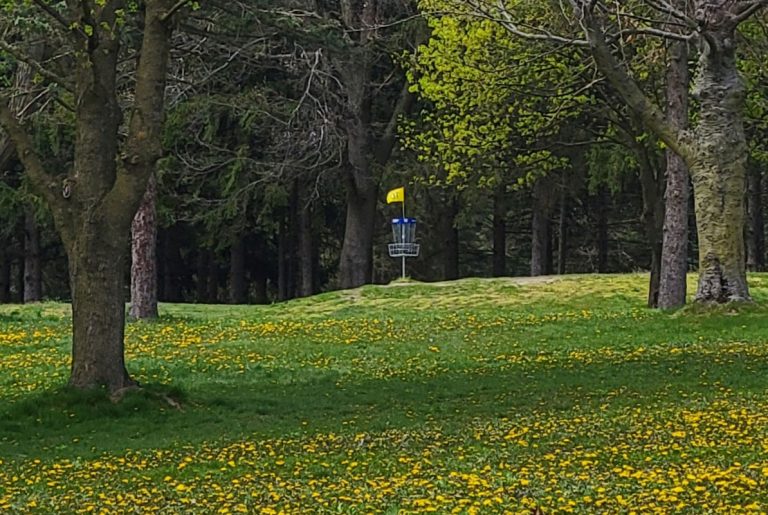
396, 195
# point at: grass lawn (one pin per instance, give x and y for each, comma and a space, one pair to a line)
477, 396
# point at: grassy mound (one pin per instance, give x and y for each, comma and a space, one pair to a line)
563, 394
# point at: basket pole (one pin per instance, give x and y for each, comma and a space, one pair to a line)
403, 236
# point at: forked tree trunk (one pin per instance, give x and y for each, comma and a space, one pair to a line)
718, 171
674, 249
715, 151
144, 256
94, 206
33, 277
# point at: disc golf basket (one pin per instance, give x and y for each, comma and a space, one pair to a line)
404, 235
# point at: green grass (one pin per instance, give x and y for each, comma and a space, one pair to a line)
470, 396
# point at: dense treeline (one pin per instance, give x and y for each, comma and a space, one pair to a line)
244, 149
249, 214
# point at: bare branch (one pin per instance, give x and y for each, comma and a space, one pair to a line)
173, 10
749, 10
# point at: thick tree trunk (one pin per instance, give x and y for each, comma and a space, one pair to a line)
718, 171
94, 205
96, 266
33, 278
500, 231
540, 229
238, 285
674, 250
755, 225
356, 267
144, 256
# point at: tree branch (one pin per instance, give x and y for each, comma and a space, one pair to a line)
46, 184
650, 113
173, 10
749, 11
35, 64
53, 13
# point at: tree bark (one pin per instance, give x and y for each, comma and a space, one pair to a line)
756, 224
562, 232
715, 151
652, 187
33, 278
144, 256
674, 250
602, 200
5, 276
718, 169
212, 288
94, 206
96, 270
201, 282
540, 229
238, 285
500, 231
306, 253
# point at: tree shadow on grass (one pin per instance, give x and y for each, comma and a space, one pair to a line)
69, 424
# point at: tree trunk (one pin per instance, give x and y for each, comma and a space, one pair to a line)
144, 256
284, 260
96, 267
718, 170
238, 286
5, 276
201, 283
674, 250
540, 229
93, 207
653, 214
212, 290
306, 253
601, 201
500, 231
33, 279
755, 225
356, 267
562, 232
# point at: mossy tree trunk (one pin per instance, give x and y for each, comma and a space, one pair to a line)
93, 207
718, 169
715, 149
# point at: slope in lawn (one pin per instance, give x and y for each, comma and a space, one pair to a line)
473, 396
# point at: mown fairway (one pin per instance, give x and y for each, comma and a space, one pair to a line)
478, 396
